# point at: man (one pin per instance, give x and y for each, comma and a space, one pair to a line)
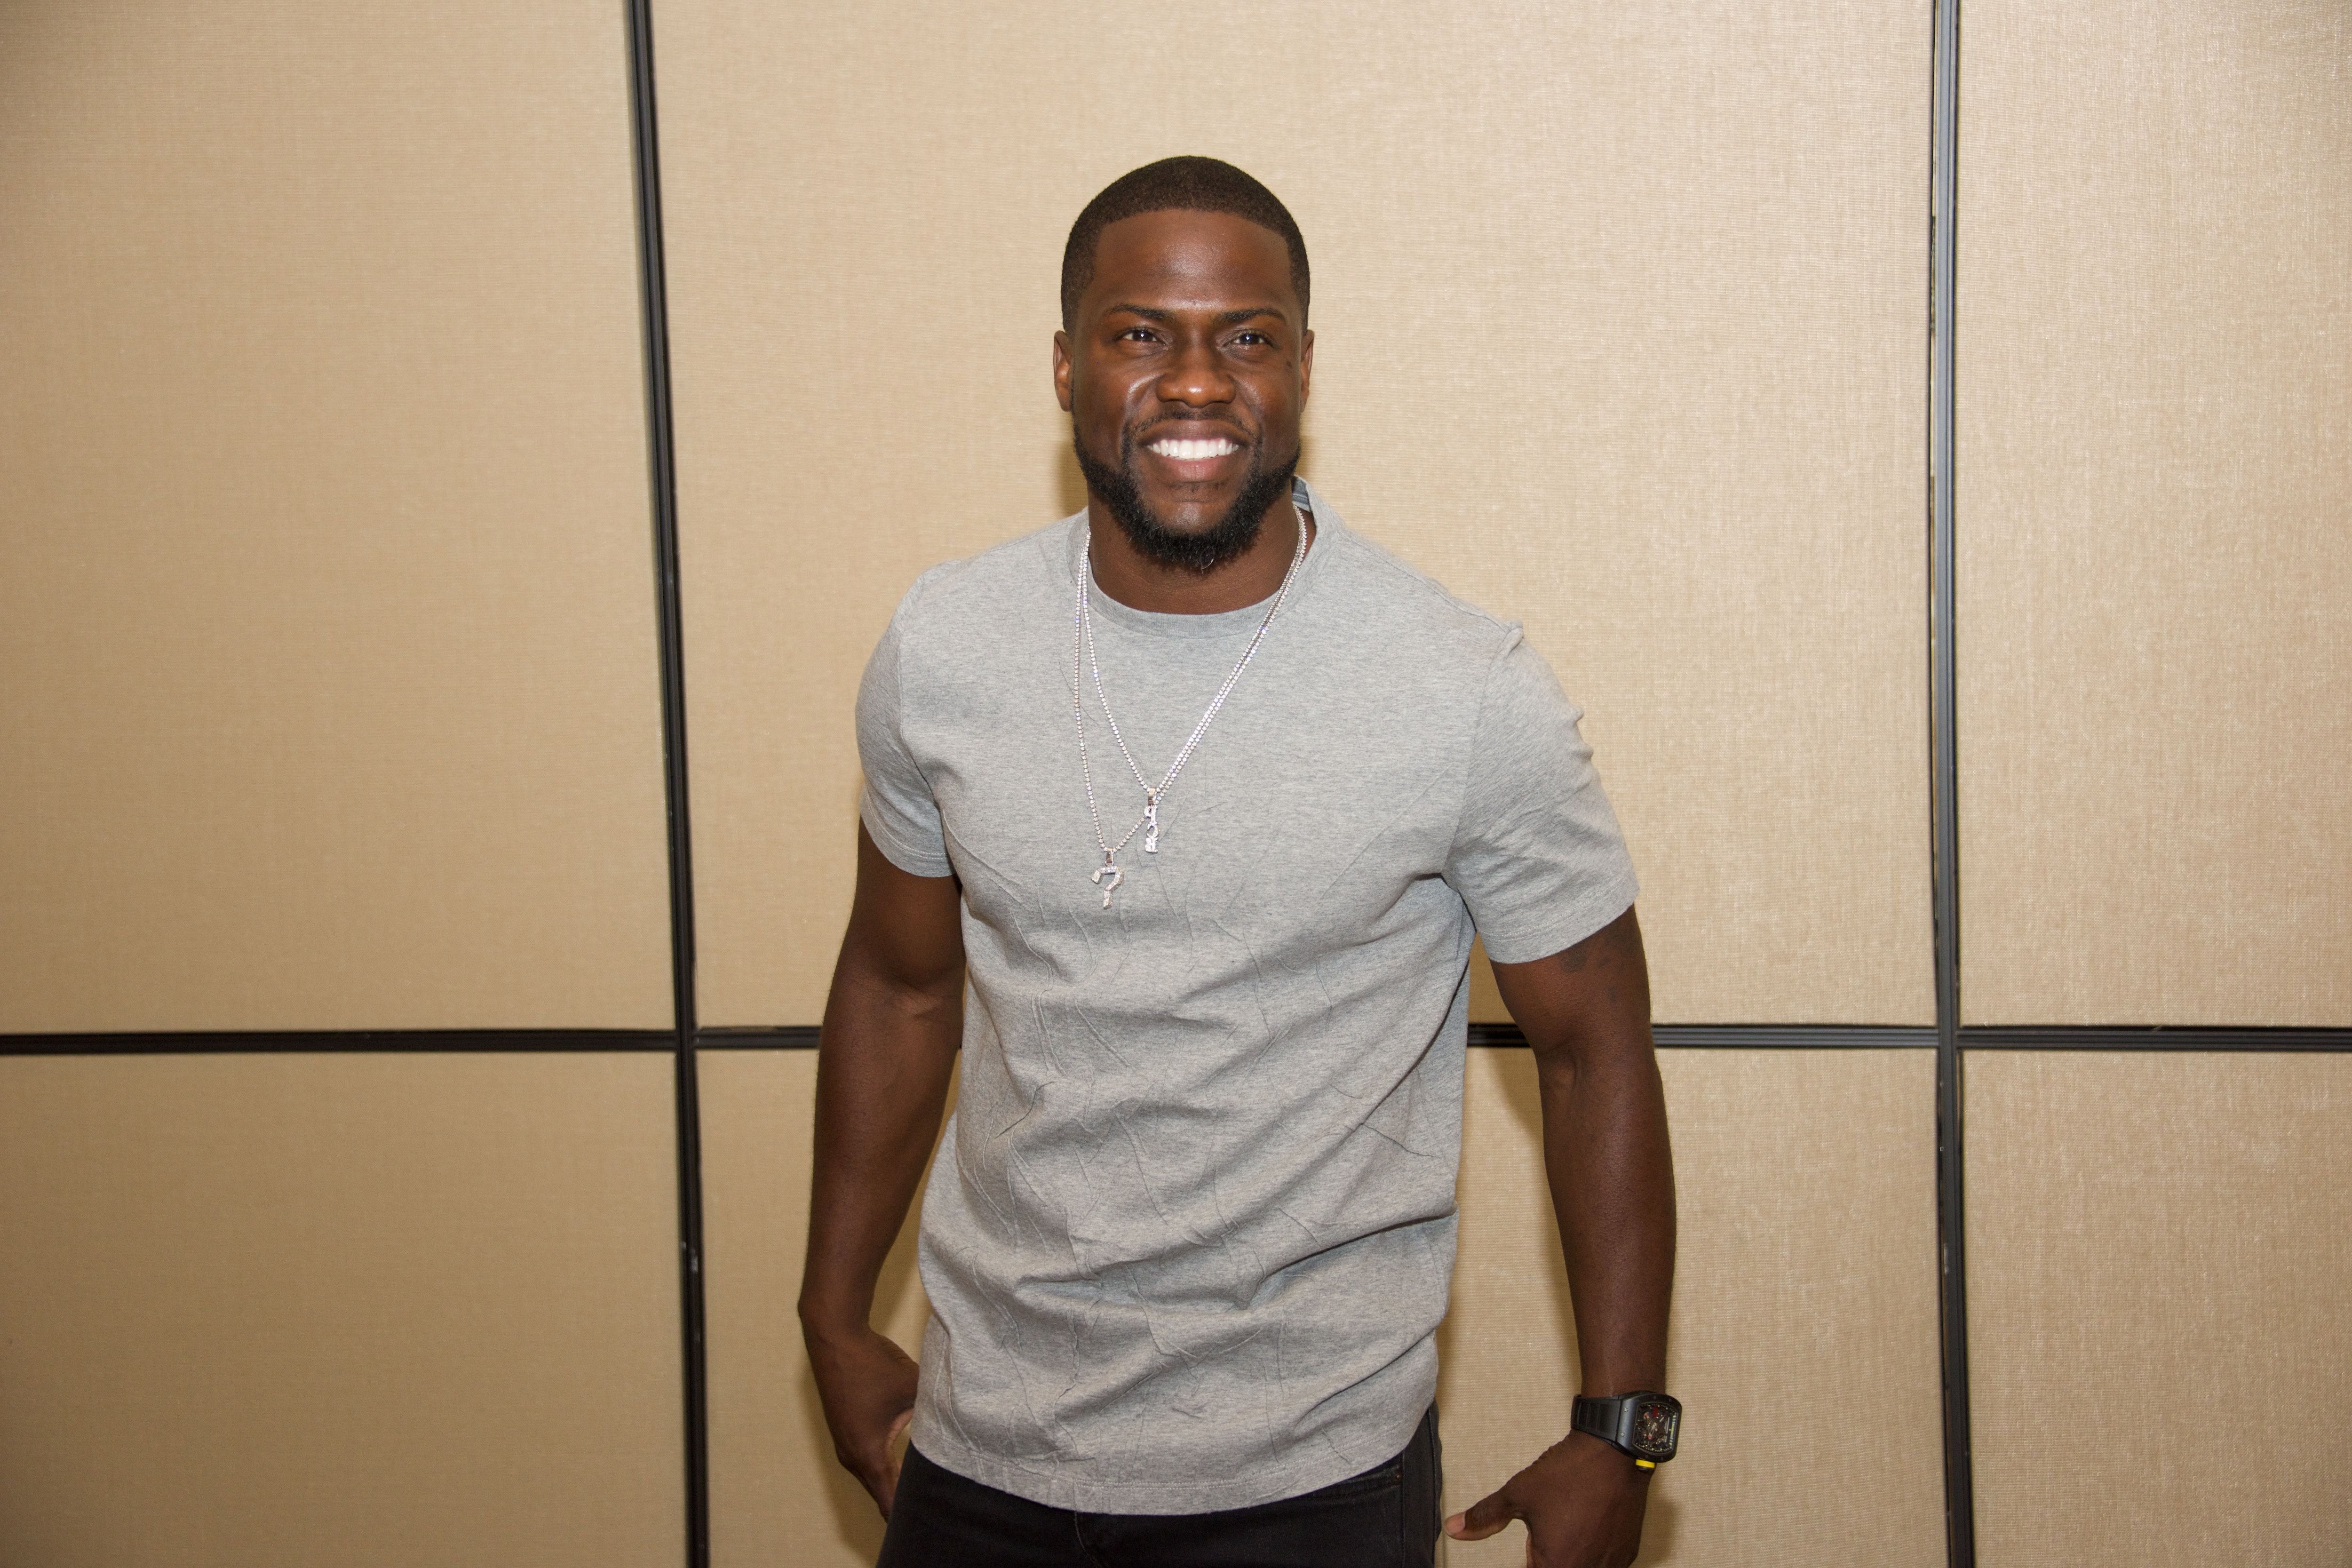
1203, 796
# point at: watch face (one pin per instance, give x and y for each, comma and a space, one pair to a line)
1654, 1423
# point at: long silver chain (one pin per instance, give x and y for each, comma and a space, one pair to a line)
1107, 875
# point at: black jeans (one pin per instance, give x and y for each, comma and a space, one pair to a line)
1385, 1518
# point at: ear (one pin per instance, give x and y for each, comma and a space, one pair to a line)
1305, 364
1062, 369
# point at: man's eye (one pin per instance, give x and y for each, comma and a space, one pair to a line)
1252, 338
1136, 334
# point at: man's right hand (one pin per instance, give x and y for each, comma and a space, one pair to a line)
867, 1385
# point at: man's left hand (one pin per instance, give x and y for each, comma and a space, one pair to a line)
1582, 1501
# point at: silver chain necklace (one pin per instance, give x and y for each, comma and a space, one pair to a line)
1107, 875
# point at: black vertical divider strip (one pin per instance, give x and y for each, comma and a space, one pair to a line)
663, 465
1943, 682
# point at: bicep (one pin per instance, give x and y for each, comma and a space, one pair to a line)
1593, 994
906, 929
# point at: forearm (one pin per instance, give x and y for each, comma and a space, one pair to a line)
1586, 1013
883, 1067
1611, 1172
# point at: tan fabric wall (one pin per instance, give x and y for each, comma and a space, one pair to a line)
1803, 1340
347, 1312
332, 683
776, 1494
1620, 332
2155, 469
1804, 1331
2160, 1338
331, 703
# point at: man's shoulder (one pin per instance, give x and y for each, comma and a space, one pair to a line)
1024, 570
1413, 610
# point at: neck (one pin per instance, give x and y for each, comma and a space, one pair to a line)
1142, 583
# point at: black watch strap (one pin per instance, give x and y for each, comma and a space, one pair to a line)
1644, 1425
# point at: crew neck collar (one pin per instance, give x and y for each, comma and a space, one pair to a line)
1220, 623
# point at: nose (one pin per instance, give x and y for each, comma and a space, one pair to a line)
1195, 379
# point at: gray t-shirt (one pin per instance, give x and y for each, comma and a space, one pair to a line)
1188, 1240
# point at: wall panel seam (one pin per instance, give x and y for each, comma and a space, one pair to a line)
2151, 1038
1669, 1037
661, 453
1944, 777
244, 1042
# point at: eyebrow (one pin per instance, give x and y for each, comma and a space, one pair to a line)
1225, 319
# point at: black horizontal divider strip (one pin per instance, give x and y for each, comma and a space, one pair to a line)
781, 1038
1793, 1036
2165, 1038
237, 1042
2151, 1038
1737, 1037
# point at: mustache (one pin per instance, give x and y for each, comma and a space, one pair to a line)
1147, 431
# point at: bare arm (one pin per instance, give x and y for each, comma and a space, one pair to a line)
892, 1025
1586, 1013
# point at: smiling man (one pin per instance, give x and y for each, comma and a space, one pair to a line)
1199, 798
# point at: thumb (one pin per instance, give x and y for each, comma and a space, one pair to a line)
888, 1493
1483, 1517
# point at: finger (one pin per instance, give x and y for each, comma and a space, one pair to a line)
1481, 1519
886, 1467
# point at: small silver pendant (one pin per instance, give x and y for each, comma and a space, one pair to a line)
1151, 825
1116, 877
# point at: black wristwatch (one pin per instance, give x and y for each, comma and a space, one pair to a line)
1642, 1424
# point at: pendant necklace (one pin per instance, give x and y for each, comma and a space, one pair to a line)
1107, 875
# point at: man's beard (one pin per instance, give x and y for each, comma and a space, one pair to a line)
1199, 554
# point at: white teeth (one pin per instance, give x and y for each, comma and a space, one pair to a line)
1194, 451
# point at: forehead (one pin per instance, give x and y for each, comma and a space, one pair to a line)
1177, 257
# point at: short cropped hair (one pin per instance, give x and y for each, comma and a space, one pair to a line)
1176, 184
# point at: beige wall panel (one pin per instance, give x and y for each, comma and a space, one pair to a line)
1620, 332
1803, 1340
1808, 1264
2155, 470
776, 1494
2159, 1339
328, 684
346, 1312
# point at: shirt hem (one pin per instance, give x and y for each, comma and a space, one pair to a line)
1610, 901
1265, 1484
914, 861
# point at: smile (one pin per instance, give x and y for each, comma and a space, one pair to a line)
1194, 451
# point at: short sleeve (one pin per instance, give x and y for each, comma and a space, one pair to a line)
897, 805
1537, 854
